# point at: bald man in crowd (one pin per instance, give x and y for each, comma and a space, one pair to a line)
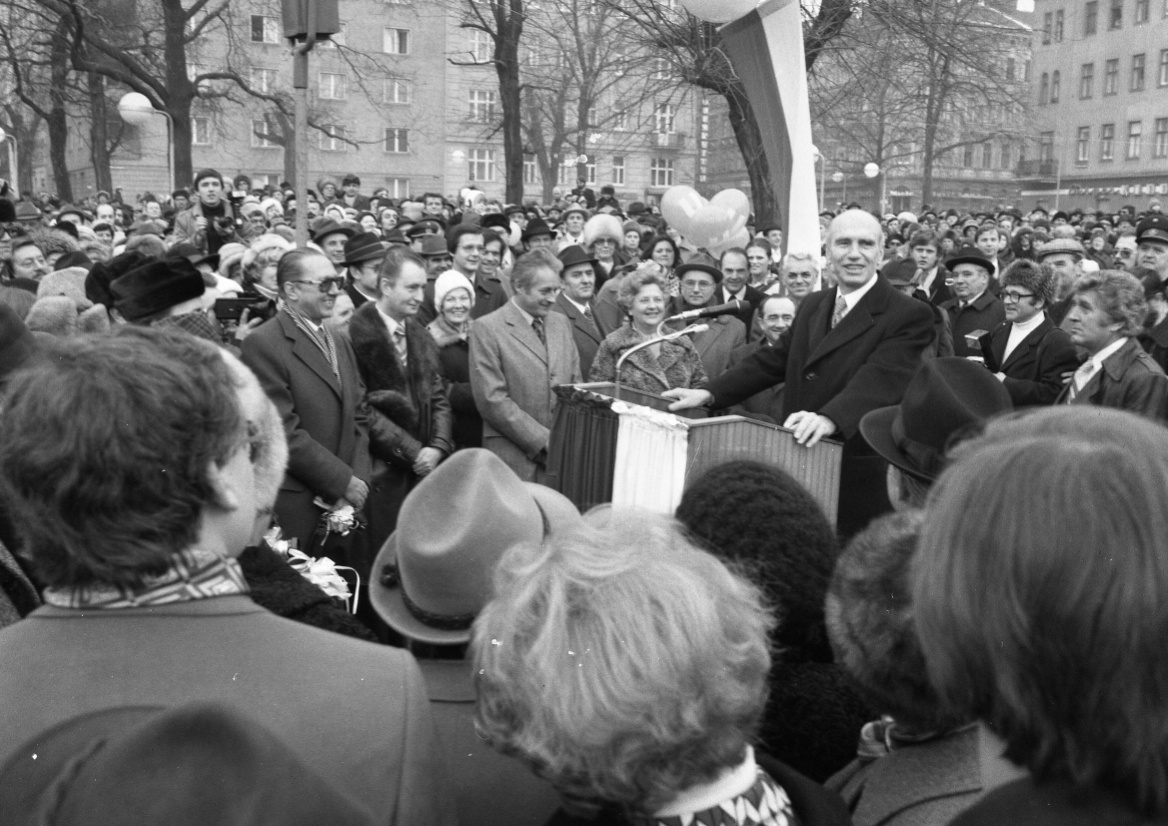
853, 348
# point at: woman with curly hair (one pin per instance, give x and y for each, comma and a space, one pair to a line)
658, 367
628, 668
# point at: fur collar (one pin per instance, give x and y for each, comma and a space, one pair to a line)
388, 390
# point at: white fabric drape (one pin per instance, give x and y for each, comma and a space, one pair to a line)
651, 450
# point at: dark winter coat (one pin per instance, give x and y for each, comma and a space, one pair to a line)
454, 362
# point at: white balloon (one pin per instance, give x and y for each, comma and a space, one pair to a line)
871, 169
719, 11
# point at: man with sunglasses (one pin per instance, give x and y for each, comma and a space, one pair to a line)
1027, 352
312, 376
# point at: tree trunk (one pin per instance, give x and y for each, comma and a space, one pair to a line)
749, 138
24, 132
509, 17
180, 90
99, 142
58, 121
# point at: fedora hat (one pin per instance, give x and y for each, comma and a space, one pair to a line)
971, 255
433, 246
703, 263
191, 765
434, 573
364, 246
946, 398
537, 226
576, 254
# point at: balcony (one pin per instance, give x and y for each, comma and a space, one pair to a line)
667, 140
1038, 170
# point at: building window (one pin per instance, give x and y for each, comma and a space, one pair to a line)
1011, 68
620, 120
331, 86
1058, 26
590, 172
1135, 139
987, 155
660, 68
530, 170
1083, 145
333, 40
1161, 148
200, 131
1107, 142
396, 41
481, 46
1116, 19
1086, 81
332, 139
482, 106
1046, 147
480, 165
1044, 89
263, 80
1047, 25
618, 170
1162, 75
398, 187
661, 172
663, 117
1091, 17
260, 136
967, 155
396, 90
1137, 73
1111, 77
1055, 87
1141, 15
1007, 157
265, 29
397, 140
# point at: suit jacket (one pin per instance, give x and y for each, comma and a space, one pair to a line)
984, 314
587, 334
939, 293
754, 297
1155, 343
1034, 370
768, 402
354, 711
865, 362
512, 375
1053, 803
1130, 380
325, 421
714, 345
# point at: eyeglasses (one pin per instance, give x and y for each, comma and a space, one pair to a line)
1011, 295
326, 285
605, 241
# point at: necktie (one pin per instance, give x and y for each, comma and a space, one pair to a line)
537, 325
841, 309
591, 320
1081, 377
399, 344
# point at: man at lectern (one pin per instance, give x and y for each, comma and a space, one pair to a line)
853, 348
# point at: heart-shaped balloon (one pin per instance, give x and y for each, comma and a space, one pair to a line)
735, 199
738, 239
678, 206
714, 224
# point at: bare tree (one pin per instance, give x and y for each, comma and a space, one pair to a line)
697, 52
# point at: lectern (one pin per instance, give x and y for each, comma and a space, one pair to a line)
582, 455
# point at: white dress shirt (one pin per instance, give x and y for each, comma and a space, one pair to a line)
852, 298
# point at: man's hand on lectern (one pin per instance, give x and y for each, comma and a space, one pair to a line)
688, 398
809, 427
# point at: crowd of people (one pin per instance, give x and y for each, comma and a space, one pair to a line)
189, 400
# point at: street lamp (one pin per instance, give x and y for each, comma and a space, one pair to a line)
871, 170
136, 110
819, 159
13, 166
838, 177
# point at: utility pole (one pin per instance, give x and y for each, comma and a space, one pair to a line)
305, 21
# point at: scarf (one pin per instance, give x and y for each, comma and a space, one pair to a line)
322, 338
763, 804
197, 324
193, 574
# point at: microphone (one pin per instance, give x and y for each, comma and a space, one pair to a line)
731, 307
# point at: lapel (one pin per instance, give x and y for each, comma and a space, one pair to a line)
309, 353
820, 317
1025, 345
523, 332
579, 320
857, 322
702, 342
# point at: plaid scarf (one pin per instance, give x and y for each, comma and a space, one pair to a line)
194, 574
322, 338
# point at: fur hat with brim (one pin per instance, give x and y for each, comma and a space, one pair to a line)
59, 316
434, 573
602, 226
191, 765
1033, 277
947, 399
69, 282
104, 273
870, 622
155, 287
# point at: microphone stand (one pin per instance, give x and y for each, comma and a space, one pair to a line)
692, 328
